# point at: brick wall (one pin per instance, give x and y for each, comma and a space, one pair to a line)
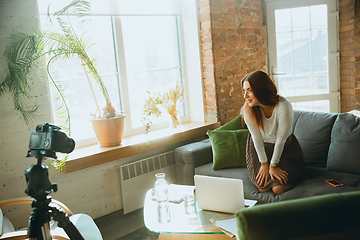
357, 55
207, 60
233, 43
349, 40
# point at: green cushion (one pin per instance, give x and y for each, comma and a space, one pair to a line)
234, 124
229, 148
331, 216
229, 144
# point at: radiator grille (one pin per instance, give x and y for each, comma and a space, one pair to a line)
138, 177
147, 165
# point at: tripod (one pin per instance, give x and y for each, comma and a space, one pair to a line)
38, 187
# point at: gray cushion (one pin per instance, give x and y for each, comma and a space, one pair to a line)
1, 221
297, 114
344, 153
188, 157
86, 226
313, 130
5, 224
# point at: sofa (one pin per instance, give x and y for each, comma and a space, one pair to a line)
328, 217
331, 148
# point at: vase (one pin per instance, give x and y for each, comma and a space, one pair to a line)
109, 131
174, 122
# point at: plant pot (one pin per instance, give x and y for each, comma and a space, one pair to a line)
109, 131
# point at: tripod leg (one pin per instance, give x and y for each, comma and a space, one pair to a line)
65, 223
34, 226
46, 231
38, 226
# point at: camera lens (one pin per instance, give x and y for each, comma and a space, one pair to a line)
70, 145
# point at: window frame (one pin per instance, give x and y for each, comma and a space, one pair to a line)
333, 96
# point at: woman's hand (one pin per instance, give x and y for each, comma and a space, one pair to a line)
263, 176
276, 172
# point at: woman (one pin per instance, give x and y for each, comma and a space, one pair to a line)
273, 155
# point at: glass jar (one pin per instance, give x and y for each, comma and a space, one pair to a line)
162, 198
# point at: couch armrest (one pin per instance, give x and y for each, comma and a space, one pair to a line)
190, 156
331, 216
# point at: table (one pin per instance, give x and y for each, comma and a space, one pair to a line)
182, 226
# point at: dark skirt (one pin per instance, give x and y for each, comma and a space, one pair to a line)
291, 160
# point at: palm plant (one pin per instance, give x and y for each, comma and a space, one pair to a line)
25, 53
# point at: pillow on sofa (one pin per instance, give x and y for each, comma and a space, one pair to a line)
234, 124
229, 148
313, 130
5, 224
344, 149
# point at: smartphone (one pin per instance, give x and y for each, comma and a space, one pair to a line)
334, 183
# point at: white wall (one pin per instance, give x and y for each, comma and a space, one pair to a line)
94, 191
20, 15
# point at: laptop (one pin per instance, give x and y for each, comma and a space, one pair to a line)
219, 194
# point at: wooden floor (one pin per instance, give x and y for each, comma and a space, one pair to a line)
118, 224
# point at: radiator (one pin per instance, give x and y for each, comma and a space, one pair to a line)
138, 177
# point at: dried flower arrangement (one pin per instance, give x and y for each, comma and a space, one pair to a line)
171, 101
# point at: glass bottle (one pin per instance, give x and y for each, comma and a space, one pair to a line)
162, 198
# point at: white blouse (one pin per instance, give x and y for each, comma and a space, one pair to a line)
277, 130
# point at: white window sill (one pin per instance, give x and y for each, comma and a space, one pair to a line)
93, 155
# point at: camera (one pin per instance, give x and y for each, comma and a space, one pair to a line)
45, 140
48, 139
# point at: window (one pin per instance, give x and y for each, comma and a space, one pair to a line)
137, 50
303, 53
78, 93
152, 58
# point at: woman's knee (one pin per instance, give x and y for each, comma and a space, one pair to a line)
264, 189
280, 189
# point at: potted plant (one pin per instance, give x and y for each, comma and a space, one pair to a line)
24, 53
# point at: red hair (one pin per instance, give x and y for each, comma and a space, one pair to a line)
264, 90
